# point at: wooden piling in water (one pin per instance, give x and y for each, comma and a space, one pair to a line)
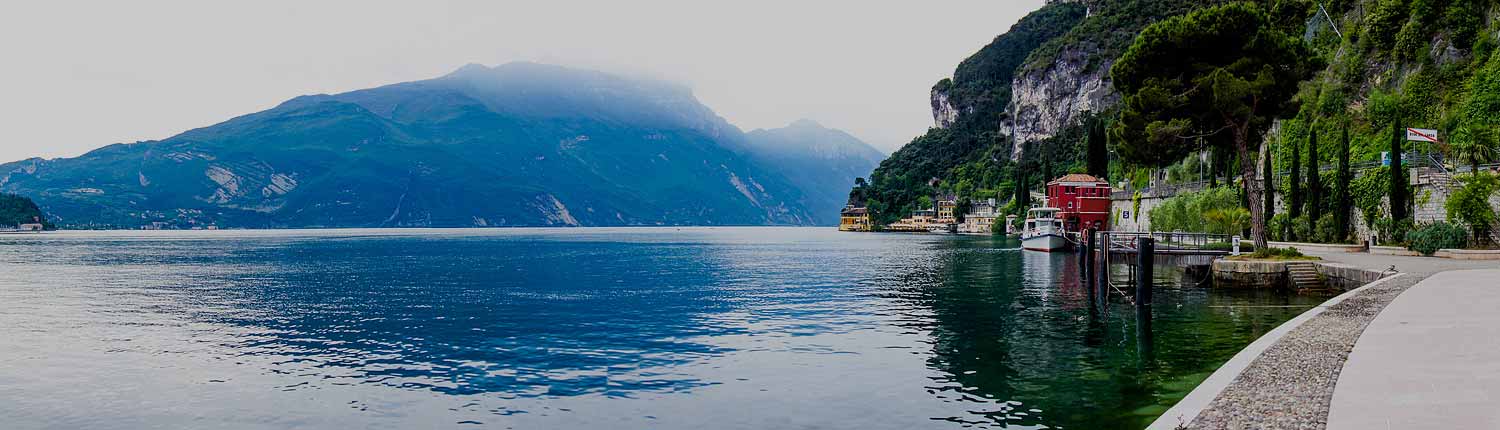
1145, 262
1101, 268
1088, 264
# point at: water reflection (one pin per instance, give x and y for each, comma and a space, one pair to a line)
615, 328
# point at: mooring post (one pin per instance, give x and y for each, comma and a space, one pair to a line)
1088, 262
1101, 271
1082, 250
1146, 259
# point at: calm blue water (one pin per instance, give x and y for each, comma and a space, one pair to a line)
739, 328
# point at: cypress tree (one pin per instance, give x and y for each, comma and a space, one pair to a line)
1267, 173
1398, 174
1046, 165
1314, 181
1294, 187
1098, 150
1023, 199
1342, 199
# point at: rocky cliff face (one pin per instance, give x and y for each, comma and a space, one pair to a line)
943, 112
1048, 98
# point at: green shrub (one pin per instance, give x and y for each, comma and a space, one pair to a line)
1393, 231
1274, 252
1302, 228
1278, 227
1368, 190
1326, 230
1215, 210
1382, 24
1429, 238
1470, 205
1227, 221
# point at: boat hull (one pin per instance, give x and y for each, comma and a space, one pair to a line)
1045, 242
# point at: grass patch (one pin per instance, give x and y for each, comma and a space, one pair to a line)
1276, 254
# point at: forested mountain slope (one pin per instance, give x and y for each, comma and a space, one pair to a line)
520, 144
1002, 126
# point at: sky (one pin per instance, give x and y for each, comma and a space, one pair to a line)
80, 75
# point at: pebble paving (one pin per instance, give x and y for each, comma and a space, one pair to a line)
1290, 386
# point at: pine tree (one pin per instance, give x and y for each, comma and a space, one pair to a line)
1227, 70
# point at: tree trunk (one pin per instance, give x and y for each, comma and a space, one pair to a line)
1252, 187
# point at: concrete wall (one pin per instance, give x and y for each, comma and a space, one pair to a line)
1138, 221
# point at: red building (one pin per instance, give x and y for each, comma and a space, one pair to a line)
1083, 199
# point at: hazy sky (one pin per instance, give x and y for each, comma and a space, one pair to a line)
80, 75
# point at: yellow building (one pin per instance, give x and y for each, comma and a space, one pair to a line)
854, 219
946, 205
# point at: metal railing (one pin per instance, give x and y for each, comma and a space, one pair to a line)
1170, 242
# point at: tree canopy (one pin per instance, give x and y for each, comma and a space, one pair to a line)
1217, 73
1222, 74
16, 209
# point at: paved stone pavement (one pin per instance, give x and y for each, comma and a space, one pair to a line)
1431, 359
1418, 265
1293, 383
1290, 385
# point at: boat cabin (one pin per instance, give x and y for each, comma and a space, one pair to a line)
1043, 220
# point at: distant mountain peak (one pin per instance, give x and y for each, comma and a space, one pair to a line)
805, 123
471, 69
518, 144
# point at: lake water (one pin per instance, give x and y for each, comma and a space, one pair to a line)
639, 328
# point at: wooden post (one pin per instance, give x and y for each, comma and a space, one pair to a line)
1102, 269
1088, 262
1146, 259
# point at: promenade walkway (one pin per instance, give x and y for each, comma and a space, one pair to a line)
1291, 377
1431, 359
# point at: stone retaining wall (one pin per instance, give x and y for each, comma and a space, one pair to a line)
1273, 274
1250, 274
1345, 277
1318, 247
1468, 254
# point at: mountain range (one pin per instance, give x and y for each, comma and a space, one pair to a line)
521, 144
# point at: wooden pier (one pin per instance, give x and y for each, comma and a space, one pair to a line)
1138, 253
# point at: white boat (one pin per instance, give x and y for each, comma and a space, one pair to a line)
1043, 231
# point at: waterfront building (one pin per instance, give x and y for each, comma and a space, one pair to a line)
1083, 201
947, 205
920, 221
854, 219
981, 218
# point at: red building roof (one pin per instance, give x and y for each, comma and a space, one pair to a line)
1078, 178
